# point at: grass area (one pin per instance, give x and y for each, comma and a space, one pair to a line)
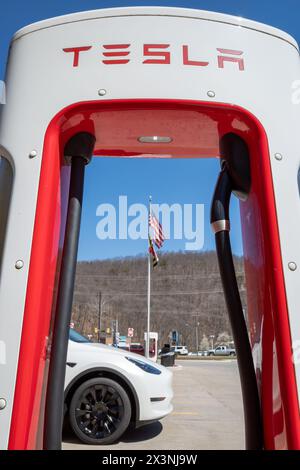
204, 358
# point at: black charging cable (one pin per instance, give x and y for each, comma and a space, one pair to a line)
220, 224
78, 152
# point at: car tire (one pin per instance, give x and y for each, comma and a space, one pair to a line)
100, 411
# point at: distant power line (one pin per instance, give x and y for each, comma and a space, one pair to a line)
179, 276
154, 293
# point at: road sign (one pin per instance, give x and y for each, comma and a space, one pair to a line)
130, 332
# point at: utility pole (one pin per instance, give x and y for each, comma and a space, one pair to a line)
197, 335
115, 330
196, 330
99, 314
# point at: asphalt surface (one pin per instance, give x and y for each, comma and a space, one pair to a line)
207, 413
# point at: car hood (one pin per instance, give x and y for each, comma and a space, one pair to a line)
102, 348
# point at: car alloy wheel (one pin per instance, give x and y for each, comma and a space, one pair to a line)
100, 411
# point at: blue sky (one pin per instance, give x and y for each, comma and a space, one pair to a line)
183, 181
134, 178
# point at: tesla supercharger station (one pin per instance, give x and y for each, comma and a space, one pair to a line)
145, 82
153, 338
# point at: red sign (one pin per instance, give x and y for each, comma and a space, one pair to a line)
130, 332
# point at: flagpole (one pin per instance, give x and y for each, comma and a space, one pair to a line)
148, 290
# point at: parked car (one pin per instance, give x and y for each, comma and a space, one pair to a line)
222, 351
180, 350
198, 353
123, 347
137, 349
107, 388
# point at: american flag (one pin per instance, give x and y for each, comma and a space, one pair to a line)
158, 237
153, 253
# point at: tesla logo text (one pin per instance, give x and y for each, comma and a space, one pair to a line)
113, 54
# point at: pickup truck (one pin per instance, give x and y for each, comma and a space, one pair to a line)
222, 351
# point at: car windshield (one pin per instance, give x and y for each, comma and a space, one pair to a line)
77, 337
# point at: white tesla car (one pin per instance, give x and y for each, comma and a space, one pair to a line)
107, 388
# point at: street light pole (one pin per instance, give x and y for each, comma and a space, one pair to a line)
212, 341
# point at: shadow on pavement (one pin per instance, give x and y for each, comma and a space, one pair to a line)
143, 433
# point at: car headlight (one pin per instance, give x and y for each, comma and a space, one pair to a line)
144, 366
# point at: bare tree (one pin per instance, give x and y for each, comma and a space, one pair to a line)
183, 285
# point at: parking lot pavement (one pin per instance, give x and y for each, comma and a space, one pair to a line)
207, 413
